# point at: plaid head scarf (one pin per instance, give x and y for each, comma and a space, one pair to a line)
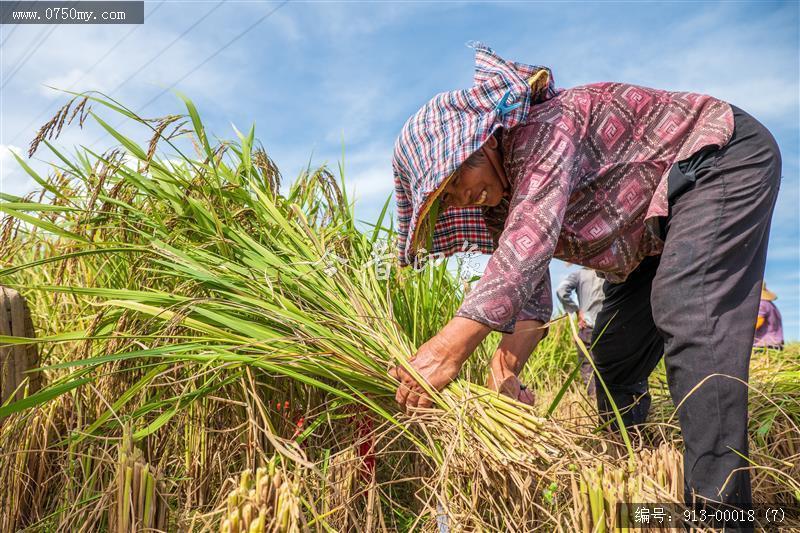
439, 137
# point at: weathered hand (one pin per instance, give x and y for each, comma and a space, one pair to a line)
581, 320
436, 362
503, 380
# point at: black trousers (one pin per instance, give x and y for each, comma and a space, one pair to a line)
696, 304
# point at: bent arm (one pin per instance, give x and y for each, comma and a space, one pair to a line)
515, 272
565, 291
516, 348
520, 262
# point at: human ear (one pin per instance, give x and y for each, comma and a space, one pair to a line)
491, 142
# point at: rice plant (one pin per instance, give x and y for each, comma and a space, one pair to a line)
237, 326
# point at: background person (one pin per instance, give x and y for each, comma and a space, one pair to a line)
588, 287
769, 325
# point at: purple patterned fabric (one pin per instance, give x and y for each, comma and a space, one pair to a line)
441, 135
771, 332
588, 169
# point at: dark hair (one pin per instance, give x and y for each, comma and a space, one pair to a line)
478, 157
474, 160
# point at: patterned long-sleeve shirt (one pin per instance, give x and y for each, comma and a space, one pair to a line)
588, 170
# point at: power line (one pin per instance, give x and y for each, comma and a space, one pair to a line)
87, 72
165, 48
120, 41
13, 28
24, 59
161, 52
10, 33
215, 54
21, 63
202, 63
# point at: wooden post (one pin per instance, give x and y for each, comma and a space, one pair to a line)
17, 359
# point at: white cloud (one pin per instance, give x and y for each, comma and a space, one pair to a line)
368, 172
345, 21
76, 78
793, 277
353, 104
74, 49
285, 22
783, 249
372, 182
717, 49
732, 61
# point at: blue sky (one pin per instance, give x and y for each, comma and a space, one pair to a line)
317, 77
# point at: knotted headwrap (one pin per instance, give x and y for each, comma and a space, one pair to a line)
439, 137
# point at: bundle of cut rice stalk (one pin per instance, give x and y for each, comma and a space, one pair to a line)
601, 494
138, 502
267, 502
27, 475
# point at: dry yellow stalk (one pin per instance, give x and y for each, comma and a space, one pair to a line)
138, 502
267, 502
597, 491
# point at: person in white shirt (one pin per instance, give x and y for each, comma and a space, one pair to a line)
589, 289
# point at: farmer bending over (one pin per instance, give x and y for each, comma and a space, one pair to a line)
668, 195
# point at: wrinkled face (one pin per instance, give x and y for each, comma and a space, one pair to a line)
477, 182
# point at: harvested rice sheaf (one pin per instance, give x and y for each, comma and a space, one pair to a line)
600, 493
137, 502
265, 502
29, 463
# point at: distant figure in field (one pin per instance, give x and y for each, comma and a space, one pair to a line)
589, 288
769, 325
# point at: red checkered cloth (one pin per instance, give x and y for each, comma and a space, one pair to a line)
446, 131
